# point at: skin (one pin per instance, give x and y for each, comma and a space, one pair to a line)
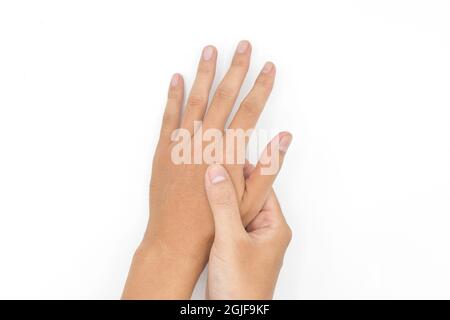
180, 233
244, 263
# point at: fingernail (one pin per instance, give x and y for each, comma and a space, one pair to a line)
268, 66
208, 53
216, 173
285, 141
242, 46
175, 80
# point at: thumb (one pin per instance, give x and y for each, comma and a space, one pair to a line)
223, 202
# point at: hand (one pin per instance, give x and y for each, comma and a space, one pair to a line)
244, 262
181, 229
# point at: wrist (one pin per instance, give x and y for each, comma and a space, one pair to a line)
158, 272
192, 245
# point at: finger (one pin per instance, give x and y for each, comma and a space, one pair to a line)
198, 97
171, 117
223, 202
273, 205
253, 104
271, 219
271, 202
275, 217
259, 184
269, 216
228, 90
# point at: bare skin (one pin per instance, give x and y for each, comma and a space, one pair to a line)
244, 263
177, 243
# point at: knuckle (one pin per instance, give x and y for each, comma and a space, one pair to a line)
250, 107
169, 117
223, 201
223, 204
239, 62
265, 82
287, 233
224, 93
196, 101
173, 95
223, 197
205, 68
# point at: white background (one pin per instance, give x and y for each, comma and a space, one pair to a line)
364, 86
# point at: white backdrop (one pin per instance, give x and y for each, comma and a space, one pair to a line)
362, 85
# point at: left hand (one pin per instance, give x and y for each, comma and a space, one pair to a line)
181, 229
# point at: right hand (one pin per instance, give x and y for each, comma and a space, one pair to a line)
244, 262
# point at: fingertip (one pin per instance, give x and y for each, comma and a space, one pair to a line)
244, 46
176, 85
207, 64
285, 139
175, 80
268, 68
209, 52
266, 77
